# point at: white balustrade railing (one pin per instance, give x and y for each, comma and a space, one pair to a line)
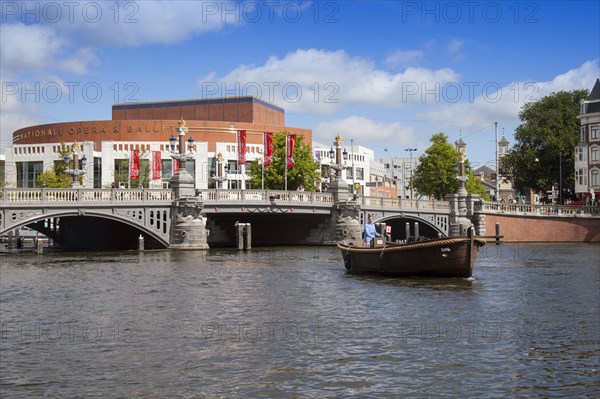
530, 209
265, 196
67, 195
383, 202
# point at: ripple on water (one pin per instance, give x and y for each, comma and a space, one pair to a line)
292, 323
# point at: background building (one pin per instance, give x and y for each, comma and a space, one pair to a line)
147, 127
400, 171
587, 152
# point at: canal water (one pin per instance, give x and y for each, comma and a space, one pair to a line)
291, 323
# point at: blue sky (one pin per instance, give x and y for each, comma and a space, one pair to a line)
387, 74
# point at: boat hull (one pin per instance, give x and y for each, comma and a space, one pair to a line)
446, 257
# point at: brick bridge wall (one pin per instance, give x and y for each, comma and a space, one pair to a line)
544, 228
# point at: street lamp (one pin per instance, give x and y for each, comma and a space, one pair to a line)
394, 181
353, 170
221, 173
410, 150
461, 146
182, 156
75, 172
336, 157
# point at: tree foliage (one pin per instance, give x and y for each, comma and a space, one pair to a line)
56, 177
548, 134
304, 173
436, 176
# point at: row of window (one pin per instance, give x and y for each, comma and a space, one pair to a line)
254, 149
594, 133
581, 153
324, 154
581, 177
24, 150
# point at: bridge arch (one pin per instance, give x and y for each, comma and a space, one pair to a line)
152, 223
398, 222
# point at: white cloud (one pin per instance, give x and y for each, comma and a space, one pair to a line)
67, 36
403, 58
366, 132
327, 81
27, 47
454, 46
491, 102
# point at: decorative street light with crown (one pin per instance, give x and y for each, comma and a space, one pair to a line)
75, 171
336, 157
461, 221
221, 172
182, 182
181, 156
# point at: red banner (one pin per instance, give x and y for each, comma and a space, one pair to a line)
268, 149
241, 142
290, 144
156, 165
134, 164
175, 166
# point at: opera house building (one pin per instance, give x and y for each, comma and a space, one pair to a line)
146, 128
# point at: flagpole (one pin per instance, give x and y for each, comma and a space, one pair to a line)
286, 161
129, 169
263, 162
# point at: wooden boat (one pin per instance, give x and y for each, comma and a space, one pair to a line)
440, 257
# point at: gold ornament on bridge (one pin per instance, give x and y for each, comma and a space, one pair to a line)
181, 122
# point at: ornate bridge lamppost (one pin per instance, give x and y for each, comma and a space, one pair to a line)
338, 158
75, 172
410, 179
345, 216
458, 202
188, 228
221, 172
182, 182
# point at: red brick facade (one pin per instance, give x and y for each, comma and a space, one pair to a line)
544, 228
212, 121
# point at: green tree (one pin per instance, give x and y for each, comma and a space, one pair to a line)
121, 171
2, 173
546, 138
304, 173
436, 174
474, 186
56, 177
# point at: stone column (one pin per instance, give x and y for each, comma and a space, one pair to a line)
345, 222
188, 227
475, 214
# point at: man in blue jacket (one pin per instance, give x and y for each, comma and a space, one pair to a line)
370, 231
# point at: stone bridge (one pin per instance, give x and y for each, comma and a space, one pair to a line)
118, 216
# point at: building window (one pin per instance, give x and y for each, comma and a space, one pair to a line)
167, 169
594, 132
27, 173
97, 172
360, 174
595, 178
580, 153
581, 176
594, 154
583, 134
2, 171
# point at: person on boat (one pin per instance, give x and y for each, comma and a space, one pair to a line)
370, 231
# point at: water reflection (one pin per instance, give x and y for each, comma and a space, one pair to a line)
291, 322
